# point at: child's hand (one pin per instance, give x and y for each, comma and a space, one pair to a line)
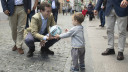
57, 36
66, 30
50, 37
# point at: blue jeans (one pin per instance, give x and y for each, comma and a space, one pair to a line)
29, 16
30, 42
55, 14
102, 17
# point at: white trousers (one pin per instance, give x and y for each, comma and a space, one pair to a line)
122, 24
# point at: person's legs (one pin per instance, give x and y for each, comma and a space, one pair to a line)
103, 19
21, 25
29, 41
27, 21
100, 15
48, 45
81, 57
75, 56
56, 15
53, 11
29, 16
110, 20
13, 25
63, 12
122, 24
90, 16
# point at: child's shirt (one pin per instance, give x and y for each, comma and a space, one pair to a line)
84, 12
77, 36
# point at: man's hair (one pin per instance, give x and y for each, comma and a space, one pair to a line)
43, 5
79, 17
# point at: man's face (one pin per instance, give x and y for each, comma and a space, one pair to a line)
47, 12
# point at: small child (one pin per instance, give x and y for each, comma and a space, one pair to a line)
78, 43
84, 11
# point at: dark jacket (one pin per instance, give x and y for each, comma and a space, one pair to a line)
90, 7
121, 12
57, 3
104, 4
9, 5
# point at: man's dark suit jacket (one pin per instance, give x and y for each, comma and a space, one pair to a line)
57, 3
121, 12
9, 5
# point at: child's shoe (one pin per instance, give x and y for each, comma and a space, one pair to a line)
74, 69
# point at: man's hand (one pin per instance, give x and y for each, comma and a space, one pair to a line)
95, 12
7, 12
124, 4
50, 37
42, 43
34, 7
102, 7
29, 11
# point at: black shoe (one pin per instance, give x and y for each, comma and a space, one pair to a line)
49, 52
44, 54
108, 52
120, 56
30, 53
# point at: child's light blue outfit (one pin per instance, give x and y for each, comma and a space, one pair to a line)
78, 45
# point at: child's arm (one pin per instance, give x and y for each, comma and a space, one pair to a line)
70, 33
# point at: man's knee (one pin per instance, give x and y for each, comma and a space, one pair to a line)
29, 40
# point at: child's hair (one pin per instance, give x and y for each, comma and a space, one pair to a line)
79, 17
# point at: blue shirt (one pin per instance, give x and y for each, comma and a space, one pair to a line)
53, 4
43, 27
18, 2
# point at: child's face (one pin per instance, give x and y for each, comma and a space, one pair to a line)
74, 22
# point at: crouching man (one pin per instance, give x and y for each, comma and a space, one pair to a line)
39, 29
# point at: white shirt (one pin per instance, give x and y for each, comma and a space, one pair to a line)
18, 2
32, 4
43, 27
53, 4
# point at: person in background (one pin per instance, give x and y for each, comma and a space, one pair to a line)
90, 11
34, 4
102, 13
17, 11
63, 9
84, 11
66, 10
55, 7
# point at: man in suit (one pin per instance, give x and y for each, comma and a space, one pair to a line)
102, 13
55, 7
116, 10
39, 29
17, 11
34, 4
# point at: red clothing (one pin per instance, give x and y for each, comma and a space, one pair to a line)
84, 12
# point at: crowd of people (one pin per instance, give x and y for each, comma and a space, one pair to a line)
21, 11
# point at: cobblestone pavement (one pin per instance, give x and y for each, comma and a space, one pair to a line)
11, 61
